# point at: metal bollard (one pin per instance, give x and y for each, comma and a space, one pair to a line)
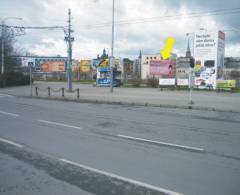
49, 93
62, 92
78, 93
36, 91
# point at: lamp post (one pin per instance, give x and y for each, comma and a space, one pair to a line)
2, 39
191, 66
112, 48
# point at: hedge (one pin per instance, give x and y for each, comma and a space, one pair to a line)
14, 79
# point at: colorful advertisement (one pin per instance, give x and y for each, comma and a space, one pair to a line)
226, 84
209, 56
85, 66
163, 68
53, 66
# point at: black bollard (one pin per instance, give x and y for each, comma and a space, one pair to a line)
78, 93
36, 91
62, 92
49, 93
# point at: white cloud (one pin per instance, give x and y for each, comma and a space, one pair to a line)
232, 50
130, 38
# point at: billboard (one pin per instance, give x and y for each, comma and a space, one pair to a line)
182, 82
209, 56
53, 66
166, 82
163, 68
226, 84
85, 66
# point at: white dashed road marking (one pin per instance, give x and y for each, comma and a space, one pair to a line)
59, 124
162, 143
11, 142
9, 114
148, 186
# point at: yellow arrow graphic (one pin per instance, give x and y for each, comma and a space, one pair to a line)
167, 50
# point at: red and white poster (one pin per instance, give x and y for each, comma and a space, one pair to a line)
163, 68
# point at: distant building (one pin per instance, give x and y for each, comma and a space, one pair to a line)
137, 66
232, 69
182, 67
127, 69
145, 64
183, 64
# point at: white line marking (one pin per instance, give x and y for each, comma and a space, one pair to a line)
162, 143
162, 190
6, 95
59, 124
8, 113
11, 142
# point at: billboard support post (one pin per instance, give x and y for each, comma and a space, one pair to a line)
190, 86
30, 64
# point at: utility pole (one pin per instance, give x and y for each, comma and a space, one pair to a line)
69, 39
112, 48
2, 47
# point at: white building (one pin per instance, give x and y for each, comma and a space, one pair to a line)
146, 64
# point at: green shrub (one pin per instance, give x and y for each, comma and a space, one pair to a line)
13, 79
153, 82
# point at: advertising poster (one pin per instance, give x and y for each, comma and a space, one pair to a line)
166, 82
163, 68
85, 66
223, 84
209, 56
53, 66
182, 82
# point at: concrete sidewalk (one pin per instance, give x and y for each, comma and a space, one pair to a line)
203, 100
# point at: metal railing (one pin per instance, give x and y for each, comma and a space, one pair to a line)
49, 91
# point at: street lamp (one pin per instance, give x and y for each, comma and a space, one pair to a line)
112, 48
190, 74
3, 26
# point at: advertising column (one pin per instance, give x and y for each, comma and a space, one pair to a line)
209, 56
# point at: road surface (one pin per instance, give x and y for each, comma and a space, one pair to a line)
113, 149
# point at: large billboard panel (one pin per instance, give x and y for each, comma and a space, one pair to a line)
163, 68
85, 66
209, 56
53, 66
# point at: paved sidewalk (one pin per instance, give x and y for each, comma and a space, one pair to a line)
204, 100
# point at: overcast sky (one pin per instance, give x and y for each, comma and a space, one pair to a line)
90, 39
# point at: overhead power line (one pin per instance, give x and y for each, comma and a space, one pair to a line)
37, 27
168, 17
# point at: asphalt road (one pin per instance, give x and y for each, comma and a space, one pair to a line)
185, 151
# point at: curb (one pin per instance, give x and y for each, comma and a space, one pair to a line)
171, 106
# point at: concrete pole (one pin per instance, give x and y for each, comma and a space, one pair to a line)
2, 47
112, 48
69, 41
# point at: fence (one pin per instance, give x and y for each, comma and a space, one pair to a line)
48, 91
